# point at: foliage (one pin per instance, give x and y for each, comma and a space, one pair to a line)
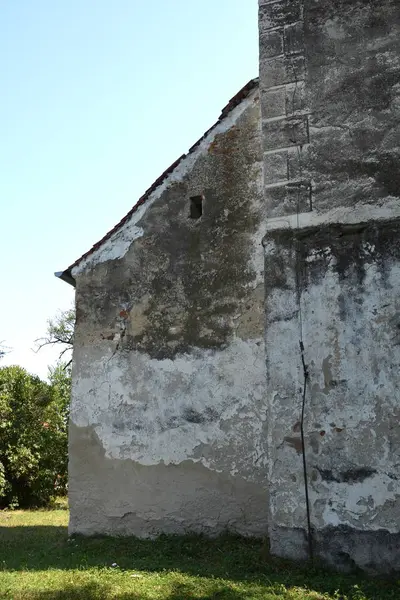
39, 561
60, 332
33, 436
3, 349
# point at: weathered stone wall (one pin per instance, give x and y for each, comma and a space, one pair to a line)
168, 404
330, 97
349, 282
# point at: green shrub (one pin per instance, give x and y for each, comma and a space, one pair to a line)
33, 437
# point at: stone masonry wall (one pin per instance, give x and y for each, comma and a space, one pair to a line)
168, 408
330, 99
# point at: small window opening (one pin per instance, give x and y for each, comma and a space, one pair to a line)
196, 207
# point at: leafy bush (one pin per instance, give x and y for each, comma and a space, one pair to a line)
33, 436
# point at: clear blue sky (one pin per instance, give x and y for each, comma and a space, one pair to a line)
97, 99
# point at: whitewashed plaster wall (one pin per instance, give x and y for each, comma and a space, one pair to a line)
347, 318
168, 408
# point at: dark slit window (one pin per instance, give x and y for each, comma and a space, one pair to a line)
196, 207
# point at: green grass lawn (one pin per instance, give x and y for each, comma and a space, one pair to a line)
38, 561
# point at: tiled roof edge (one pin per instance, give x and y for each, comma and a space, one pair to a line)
233, 103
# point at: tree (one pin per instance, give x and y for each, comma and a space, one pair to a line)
60, 382
33, 436
60, 332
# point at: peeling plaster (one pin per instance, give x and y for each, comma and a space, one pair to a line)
359, 213
332, 279
358, 505
169, 356
152, 411
352, 404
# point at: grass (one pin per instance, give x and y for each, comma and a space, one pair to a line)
39, 561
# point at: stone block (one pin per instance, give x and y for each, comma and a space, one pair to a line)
286, 100
294, 38
273, 103
275, 167
284, 133
277, 14
271, 44
296, 163
295, 98
281, 70
289, 199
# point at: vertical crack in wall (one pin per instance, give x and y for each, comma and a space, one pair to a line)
331, 277
299, 149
